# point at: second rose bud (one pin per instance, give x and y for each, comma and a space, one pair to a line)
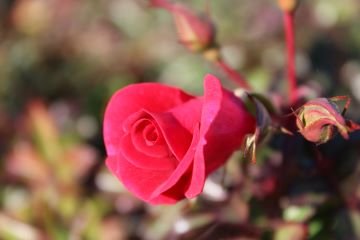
319, 119
195, 31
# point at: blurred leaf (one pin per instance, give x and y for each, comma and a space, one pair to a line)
17, 203
24, 162
190, 223
298, 213
165, 218
314, 228
355, 218
45, 131
223, 230
31, 16
13, 229
80, 159
291, 231
112, 228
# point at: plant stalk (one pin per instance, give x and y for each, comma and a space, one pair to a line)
232, 74
290, 50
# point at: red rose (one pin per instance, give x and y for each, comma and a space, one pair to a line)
162, 143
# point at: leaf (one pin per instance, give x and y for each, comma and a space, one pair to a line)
292, 231
262, 129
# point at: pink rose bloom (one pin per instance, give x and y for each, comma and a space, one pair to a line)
162, 143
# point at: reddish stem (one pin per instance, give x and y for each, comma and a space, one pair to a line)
233, 75
290, 49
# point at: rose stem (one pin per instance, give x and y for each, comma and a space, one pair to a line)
290, 49
232, 74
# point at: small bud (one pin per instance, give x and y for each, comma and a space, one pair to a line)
319, 119
196, 32
288, 5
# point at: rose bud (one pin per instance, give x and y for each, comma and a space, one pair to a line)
196, 32
319, 119
162, 143
288, 5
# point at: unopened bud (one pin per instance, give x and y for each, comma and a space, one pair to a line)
212, 54
318, 120
196, 32
288, 5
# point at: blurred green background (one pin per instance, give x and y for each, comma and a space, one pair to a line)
61, 60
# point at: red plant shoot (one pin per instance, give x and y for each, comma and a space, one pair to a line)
290, 48
288, 7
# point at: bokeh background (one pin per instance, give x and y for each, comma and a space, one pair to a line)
61, 60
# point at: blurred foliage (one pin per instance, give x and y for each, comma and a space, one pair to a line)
61, 60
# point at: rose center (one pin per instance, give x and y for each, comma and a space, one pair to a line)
147, 138
150, 134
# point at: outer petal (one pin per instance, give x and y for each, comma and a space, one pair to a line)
225, 134
188, 116
139, 181
182, 168
224, 123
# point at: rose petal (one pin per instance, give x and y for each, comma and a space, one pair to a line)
227, 130
144, 161
211, 105
173, 143
152, 97
178, 139
224, 123
189, 113
133, 126
139, 181
156, 148
181, 168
